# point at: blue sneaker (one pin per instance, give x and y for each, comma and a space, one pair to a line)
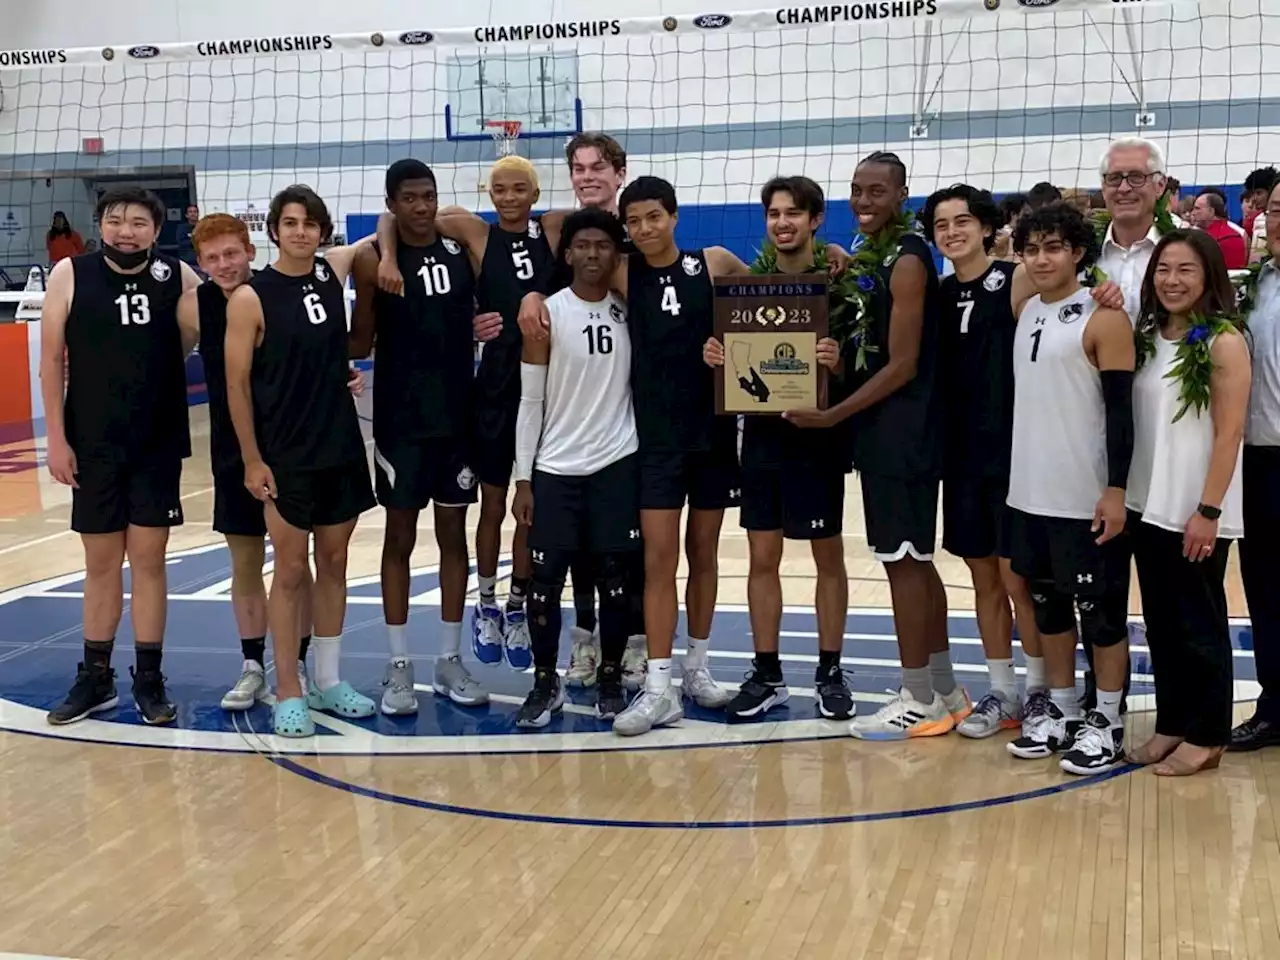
486, 633
515, 640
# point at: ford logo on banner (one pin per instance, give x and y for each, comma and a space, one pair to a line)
144, 52
1036, 3
416, 38
712, 21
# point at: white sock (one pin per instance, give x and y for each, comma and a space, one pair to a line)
1067, 699
1109, 705
1003, 677
450, 639
695, 657
658, 678
328, 654
398, 642
1036, 679
488, 590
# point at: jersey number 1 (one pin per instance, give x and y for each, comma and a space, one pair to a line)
1035, 344
435, 279
134, 309
599, 339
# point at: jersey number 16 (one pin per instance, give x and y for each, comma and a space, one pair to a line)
599, 339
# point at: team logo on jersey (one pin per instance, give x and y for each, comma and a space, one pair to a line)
617, 314
995, 280
692, 266
466, 479
161, 270
322, 272
1071, 313
450, 245
535, 229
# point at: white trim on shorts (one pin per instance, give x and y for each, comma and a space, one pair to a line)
906, 547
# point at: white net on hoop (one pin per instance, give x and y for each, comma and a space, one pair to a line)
505, 133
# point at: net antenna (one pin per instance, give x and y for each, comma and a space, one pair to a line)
505, 133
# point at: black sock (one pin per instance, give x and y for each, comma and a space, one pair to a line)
255, 649
515, 595
148, 655
97, 653
828, 659
769, 664
303, 646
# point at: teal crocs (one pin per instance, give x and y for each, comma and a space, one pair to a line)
292, 719
342, 700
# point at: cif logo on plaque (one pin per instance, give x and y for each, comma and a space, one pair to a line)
770, 327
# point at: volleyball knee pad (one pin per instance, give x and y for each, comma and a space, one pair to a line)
1055, 609
1104, 620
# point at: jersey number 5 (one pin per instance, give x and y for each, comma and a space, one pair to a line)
315, 309
435, 279
134, 309
669, 302
524, 264
599, 339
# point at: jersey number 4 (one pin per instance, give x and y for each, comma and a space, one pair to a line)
599, 339
134, 309
669, 302
435, 279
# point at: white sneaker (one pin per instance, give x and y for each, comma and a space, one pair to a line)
399, 699
647, 711
903, 718
957, 703
635, 662
994, 712
584, 660
699, 687
249, 689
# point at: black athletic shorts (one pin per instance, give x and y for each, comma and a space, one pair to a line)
706, 481
414, 473
975, 519
236, 511
112, 496
308, 499
804, 503
493, 449
598, 513
1065, 553
901, 516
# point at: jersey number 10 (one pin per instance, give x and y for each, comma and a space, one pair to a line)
435, 279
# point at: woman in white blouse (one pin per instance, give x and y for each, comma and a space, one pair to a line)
1190, 401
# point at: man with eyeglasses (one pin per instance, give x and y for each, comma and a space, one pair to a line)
1132, 181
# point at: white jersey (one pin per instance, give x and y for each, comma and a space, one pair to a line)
1059, 460
1171, 460
588, 422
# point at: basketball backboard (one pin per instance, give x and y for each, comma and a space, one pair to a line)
538, 89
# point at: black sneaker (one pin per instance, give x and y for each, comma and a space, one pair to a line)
1046, 730
1098, 746
611, 698
148, 693
93, 692
758, 693
835, 701
546, 698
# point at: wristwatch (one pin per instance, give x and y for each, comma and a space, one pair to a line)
1208, 512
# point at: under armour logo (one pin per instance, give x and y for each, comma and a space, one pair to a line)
131, 286
615, 591
540, 597
735, 493
665, 280
966, 294
1039, 321
633, 534
428, 259
174, 514
594, 315
307, 288
538, 556
816, 524
1084, 578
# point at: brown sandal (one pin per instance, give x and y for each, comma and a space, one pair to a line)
1144, 757
1171, 766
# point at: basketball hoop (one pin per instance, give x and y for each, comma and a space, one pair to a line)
505, 133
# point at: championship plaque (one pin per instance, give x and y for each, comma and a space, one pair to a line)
770, 327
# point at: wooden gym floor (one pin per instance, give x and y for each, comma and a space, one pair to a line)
454, 836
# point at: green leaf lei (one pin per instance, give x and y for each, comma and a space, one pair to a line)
1101, 223
1247, 287
851, 313
766, 262
1193, 363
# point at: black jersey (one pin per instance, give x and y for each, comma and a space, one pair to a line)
514, 264
978, 327
673, 390
303, 412
562, 273
224, 448
424, 347
901, 436
127, 385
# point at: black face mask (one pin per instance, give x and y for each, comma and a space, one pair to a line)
126, 260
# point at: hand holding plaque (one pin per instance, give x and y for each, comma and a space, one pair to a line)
770, 327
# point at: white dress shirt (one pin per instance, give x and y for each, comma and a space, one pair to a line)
1126, 266
1263, 426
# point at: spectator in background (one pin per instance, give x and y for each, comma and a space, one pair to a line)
1257, 188
61, 241
1078, 198
1210, 215
186, 249
1043, 194
1172, 191
1012, 206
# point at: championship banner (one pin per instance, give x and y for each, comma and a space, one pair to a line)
565, 32
770, 327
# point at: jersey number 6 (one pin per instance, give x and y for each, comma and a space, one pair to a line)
315, 309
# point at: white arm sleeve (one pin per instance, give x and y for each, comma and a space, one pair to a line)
533, 390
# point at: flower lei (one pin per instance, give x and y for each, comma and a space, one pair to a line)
1102, 222
1247, 287
1193, 364
857, 285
